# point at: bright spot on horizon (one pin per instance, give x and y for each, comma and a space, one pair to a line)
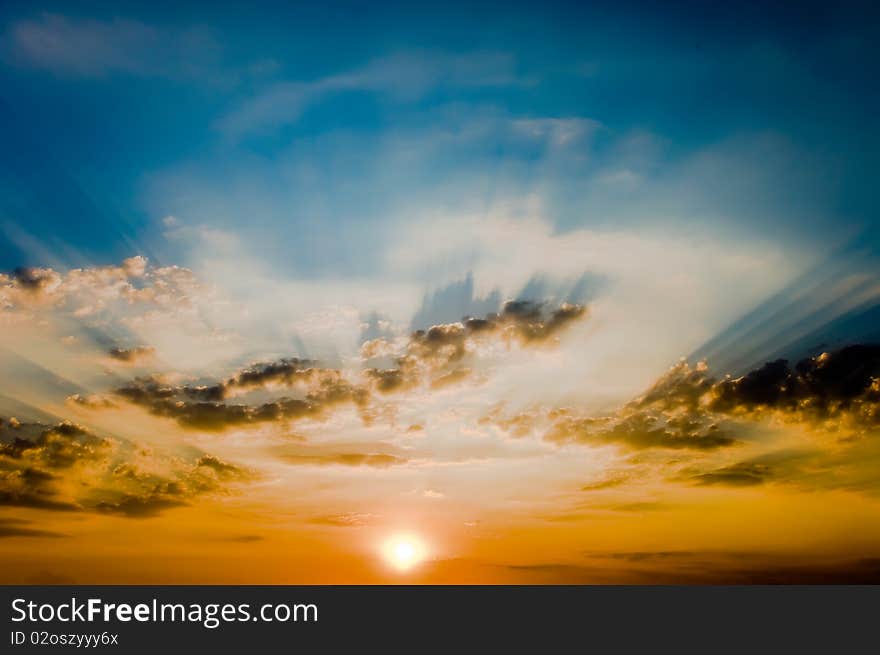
403, 552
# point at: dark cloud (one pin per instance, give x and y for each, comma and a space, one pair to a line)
688, 409
60, 446
204, 407
35, 280
439, 353
21, 528
144, 495
32, 500
135, 355
139, 507
527, 319
851, 466
736, 567
642, 430
66, 467
22, 485
846, 381
835, 384
218, 466
286, 372
389, 380
842, 384
172, 402
742, 474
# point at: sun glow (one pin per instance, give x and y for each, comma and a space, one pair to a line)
404, 551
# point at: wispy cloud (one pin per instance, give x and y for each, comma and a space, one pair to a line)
403, 77
96, 48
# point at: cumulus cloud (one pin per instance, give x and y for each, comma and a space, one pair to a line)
203, 407
56, 447
439, 353
66, 467
640, 431
842, 386
87, 292
688, 408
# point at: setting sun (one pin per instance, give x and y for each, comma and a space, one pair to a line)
403, 552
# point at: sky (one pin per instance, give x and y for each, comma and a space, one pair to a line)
455, 293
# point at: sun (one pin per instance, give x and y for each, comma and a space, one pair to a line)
404, 551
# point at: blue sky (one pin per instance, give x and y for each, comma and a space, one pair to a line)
125, 96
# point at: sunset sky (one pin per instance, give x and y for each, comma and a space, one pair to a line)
489, 293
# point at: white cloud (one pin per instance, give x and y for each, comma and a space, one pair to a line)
557, 131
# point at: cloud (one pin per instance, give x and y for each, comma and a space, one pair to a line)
90, 292
56, 447
245, 538
737, 567
67, 468
372, 460
812, 426
440, 352
404, 77
96, 48
841, 383
285, 373
850, 465
349, 520
556, 131
93, 401
139, 507
686, 407
136, 355
201, 407
642, 430
21, 528
743, 474
841, 386
607, 483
